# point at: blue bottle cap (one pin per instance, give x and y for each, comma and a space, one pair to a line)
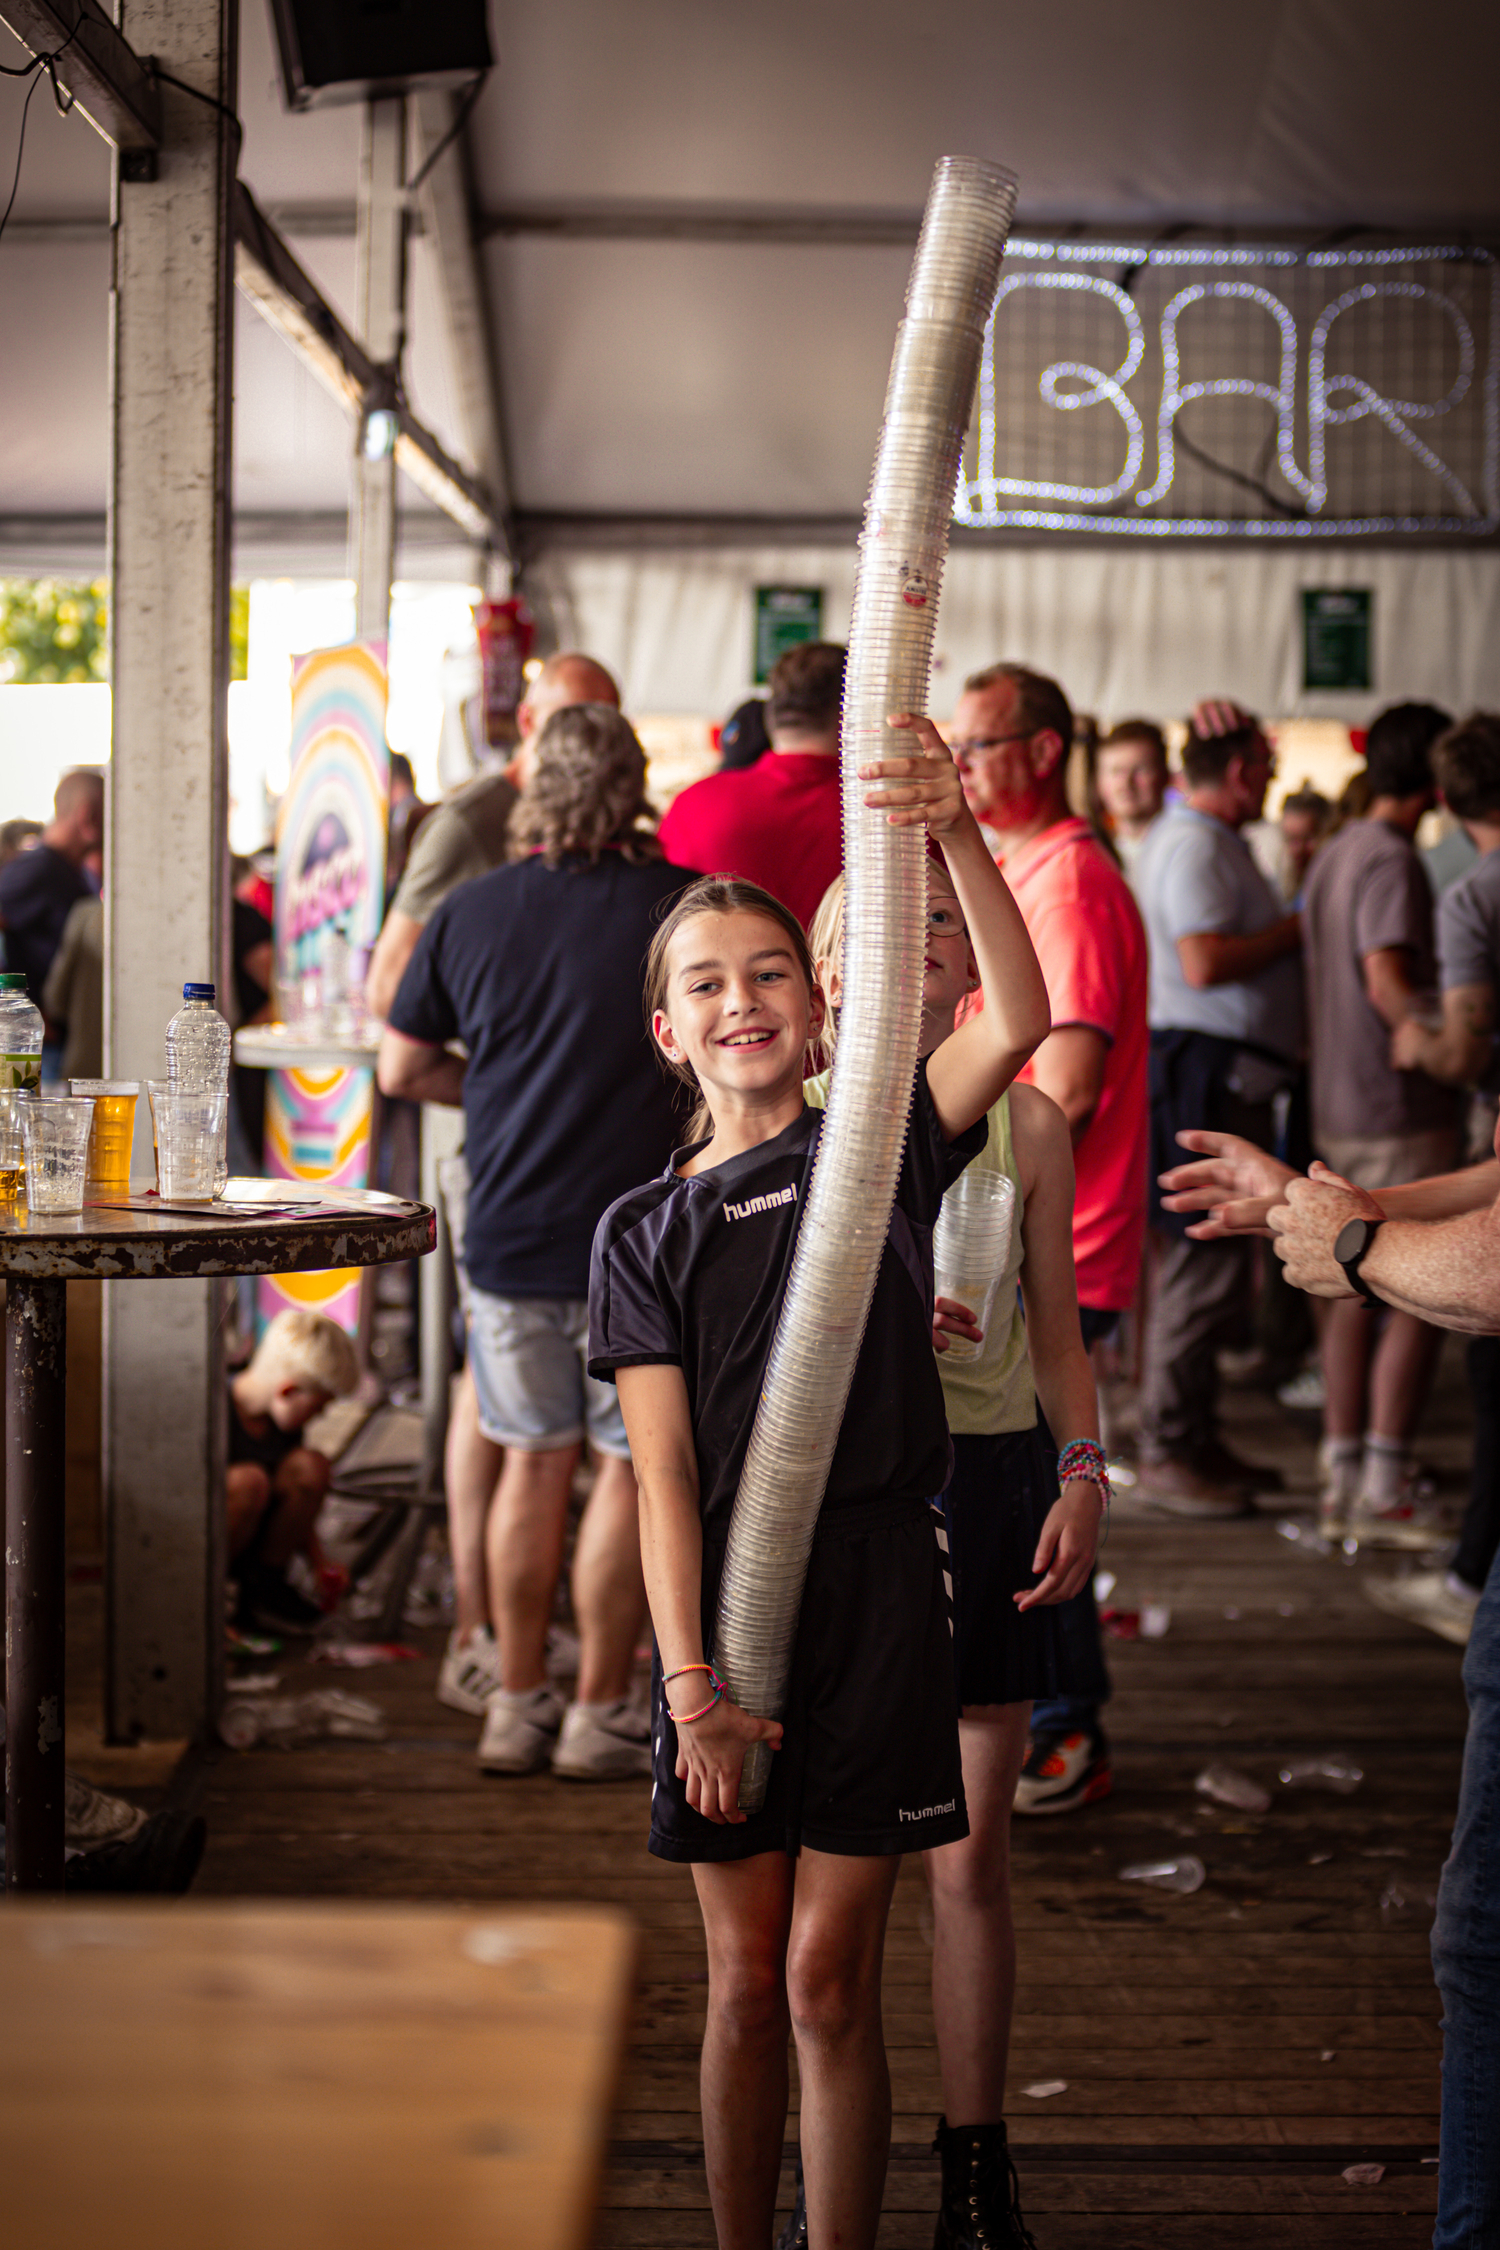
197, 992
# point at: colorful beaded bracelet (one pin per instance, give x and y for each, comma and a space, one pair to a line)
1086, 1461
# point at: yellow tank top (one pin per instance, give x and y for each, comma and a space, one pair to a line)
994, 1392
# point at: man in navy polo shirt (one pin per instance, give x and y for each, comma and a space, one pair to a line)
537, 969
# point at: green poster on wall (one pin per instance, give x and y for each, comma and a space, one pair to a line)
1336, 637
784, 615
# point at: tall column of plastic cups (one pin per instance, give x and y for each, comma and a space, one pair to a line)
902, 550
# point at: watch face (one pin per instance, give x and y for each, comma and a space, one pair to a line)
1352, 1239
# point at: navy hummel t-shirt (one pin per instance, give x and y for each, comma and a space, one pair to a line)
540, 972
688, 1273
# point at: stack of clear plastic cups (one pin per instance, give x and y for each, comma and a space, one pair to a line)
971, 1245
903, 548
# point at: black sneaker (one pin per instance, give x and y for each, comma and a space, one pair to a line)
981, 2206
269, 1600
1061, 1771
163, 1857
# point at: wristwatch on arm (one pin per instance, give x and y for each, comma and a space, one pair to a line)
1351, 1247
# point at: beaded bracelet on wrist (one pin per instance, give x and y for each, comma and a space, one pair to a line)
1087, 1462
687, 1717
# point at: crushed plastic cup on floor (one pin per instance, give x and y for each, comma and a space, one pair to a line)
1120, 1624
1156, 1617
1184, 1875
1227, 1786
1045, 2088
1104, 1585
1334, 1772
1363, 2175
283, 1722
1396, 1900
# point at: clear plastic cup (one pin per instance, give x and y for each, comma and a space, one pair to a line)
114, 1101
55, 1130
12, 1147
971, 1246
188, 1128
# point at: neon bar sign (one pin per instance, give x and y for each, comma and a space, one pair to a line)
1134, 399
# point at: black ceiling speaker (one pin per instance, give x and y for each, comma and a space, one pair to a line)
353, 50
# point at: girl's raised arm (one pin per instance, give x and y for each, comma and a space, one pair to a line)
968, 1073
710, 1750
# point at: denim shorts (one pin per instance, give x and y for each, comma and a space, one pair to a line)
528, 1356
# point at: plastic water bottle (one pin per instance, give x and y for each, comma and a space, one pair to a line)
20, 1036
198, 1052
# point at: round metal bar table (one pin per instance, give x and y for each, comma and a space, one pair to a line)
39, 1256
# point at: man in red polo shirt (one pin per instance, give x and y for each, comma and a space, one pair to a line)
1011, 735
776, 823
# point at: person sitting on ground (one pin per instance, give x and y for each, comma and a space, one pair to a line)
275, 1483
778, 822
1127, 787
1004, 1520
537, 969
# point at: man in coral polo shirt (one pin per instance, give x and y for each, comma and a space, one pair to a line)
1011, 736
775, 823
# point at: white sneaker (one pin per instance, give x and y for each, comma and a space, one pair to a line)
1412, 1524
90, 1818
470, 1673
519, 1730
1433, 1598
603, 1742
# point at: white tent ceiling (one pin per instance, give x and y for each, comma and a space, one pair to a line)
716, 378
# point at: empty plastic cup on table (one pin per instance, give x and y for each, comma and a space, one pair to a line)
114, 1102
971, 1246
188, 1131
55, 1129
12, 1148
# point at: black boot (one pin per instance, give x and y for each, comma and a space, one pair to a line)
981, 2207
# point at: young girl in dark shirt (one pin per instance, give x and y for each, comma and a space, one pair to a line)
795, 1899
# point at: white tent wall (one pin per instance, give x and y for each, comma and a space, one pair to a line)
1126, 630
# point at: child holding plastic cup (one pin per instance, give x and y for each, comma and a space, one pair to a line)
685, 1293
1017, 1549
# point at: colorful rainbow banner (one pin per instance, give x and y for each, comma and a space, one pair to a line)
330, 872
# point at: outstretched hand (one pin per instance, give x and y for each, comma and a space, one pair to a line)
711, 1754
1238, 1185
924, 785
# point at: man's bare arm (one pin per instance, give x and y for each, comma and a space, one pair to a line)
410, 1070
1447, 1195
1208, 957
394, 947
1069, 1066
1446, 1271
1388, 985
1459, 1051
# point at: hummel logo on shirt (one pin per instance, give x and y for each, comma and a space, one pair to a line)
758, 1203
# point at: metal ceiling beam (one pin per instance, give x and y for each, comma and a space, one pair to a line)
286, 296
113, 88
446, 208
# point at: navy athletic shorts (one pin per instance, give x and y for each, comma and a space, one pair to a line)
995, 1505
869, 1761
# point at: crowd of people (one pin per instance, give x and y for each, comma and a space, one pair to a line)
1219, 1061
1104, 993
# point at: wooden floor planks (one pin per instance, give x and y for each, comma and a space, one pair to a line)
1200, 2110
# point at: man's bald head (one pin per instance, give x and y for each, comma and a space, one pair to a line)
77, 823
565, 679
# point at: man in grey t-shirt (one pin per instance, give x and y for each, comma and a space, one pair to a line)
1367, 925
1226, 1036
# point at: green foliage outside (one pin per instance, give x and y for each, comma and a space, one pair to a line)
52, 630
